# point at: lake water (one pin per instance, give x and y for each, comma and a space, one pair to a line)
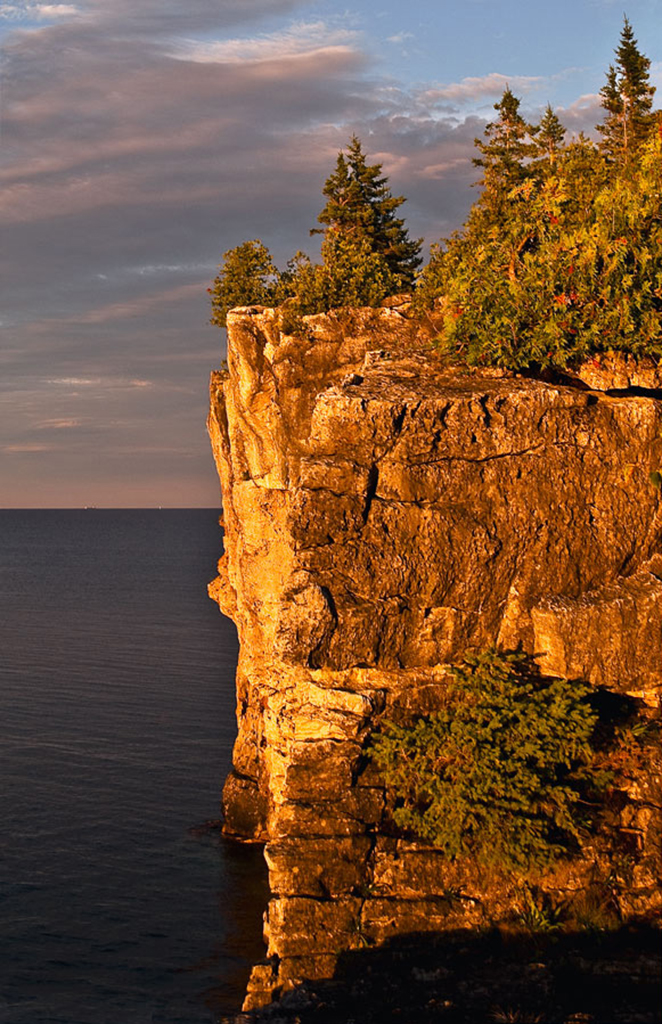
117, 721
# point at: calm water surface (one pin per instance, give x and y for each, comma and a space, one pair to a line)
117, 721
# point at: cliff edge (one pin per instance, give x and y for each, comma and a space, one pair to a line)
382, 515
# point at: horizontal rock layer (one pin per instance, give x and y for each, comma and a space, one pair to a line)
383, 514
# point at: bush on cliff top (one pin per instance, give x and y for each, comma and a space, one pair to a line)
500, 772
561, 255
565, 272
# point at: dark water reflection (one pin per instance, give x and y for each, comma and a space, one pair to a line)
117, 691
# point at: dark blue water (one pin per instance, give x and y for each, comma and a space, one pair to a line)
117, 721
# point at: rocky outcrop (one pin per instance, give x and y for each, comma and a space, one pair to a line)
383, 513
615, 371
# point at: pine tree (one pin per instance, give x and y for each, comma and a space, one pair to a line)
360, 206
507, 147
627, 98
548, 137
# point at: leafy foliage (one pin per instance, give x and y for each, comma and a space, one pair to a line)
499, 772
351, 274
561, 256
246, 277
537, 913
571, 266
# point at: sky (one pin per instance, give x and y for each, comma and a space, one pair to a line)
141, 139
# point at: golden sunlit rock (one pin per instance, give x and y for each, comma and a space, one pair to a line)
383, 514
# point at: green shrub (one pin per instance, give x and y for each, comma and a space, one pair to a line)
557, 279
500, 771
351, 275
561, 255
247, 276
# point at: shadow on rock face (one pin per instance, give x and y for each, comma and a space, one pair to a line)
592, 977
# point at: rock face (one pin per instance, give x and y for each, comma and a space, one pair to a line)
382, 515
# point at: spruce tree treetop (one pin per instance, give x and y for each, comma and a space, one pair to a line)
548, 136
506, 147
360, 206
627, 97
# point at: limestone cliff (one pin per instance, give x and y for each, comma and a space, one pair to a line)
382, 515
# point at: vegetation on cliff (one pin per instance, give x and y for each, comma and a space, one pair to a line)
247, 277
560, 258
516, 769
366, 251
360, 208
500, 772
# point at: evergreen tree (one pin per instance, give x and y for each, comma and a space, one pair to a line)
500, 773
506, 148
548, 137
247, 277
585, 170
351, 274
627, 98
360, 207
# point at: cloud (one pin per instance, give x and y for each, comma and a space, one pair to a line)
307, 39
99, 383
441, 170
168, 164
38, 12
22, 449
164, 18
137, 308
582, 114
58, 424
76, 382
56, 10
400, 37
471, 89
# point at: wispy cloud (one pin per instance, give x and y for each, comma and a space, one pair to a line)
56, 10
441, 170
165, 18
59, 424
471, 89
26, 449
74, 387
76, 382
37, 12
138, 308
301, 39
